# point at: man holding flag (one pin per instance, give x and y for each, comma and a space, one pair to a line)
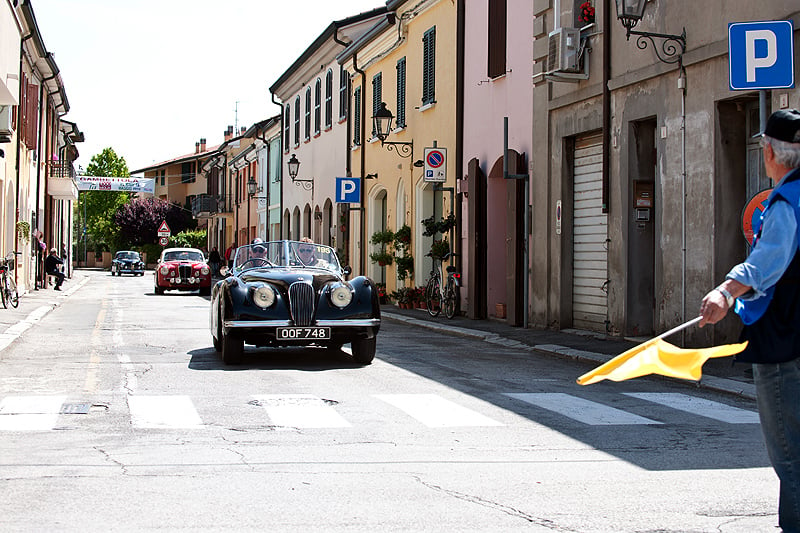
764, 291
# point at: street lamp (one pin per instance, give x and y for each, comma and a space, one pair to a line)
382, 126
253, 189
630, 12
294, 166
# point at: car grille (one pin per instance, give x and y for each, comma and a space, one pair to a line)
185, 271
301, 300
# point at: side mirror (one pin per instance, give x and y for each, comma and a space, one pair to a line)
347, 271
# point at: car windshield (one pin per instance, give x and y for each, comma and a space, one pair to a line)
133, 256
183, 255
286, 254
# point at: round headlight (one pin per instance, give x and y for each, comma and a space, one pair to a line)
264, 296
164, 270
341, 296
205, 271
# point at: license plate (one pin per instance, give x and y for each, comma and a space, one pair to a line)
303, 333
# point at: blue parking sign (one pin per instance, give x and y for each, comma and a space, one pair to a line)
348, 190
761, 55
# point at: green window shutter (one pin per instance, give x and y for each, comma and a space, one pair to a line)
429, 67
401, 93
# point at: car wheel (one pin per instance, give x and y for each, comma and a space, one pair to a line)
218, 339
205, 291
363, 350
232, 349
158, 290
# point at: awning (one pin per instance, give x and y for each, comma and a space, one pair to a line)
6, 97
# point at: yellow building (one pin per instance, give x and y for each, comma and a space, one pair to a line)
408, 61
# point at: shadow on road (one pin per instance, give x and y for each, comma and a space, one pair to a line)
301, 358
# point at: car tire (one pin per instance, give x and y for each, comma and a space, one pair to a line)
363, 350
218, 339
232, 349
205, 291
158, 290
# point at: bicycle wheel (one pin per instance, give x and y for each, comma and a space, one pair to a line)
13, 295
433, 296
451, 299
4, 291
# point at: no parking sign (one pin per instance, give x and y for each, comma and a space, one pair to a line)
435, 164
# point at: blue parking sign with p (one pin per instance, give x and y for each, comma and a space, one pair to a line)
761, 55
348, 190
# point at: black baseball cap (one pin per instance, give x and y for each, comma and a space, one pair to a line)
784, 125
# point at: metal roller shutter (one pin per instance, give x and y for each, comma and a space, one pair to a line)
590, 230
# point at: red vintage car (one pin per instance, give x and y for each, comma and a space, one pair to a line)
182, 269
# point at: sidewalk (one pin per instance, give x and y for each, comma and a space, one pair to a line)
33, 305
718, 374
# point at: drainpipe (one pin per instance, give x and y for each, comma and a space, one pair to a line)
280, 170
19, 145
362, 250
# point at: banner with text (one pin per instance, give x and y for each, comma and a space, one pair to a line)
103, 183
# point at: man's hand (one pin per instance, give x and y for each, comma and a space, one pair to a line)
713, 308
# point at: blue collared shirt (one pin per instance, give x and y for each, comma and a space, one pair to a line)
772, 253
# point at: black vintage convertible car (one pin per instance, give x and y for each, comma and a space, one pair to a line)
127, 262
291, 293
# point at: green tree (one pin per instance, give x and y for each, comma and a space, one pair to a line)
100, 206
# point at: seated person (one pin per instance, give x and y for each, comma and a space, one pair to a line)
256, 256
52, 266
306, 254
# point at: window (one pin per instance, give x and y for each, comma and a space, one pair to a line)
163, 177
377, 95
429, 67
187, 172
344, 79
357, 117
287, 121
401, 93
307, 116
329, 99
317, 106
497, 38
297, 121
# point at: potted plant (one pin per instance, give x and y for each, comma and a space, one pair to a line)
383, 258
586, 14
443, 225
423, 304
402, 237
382, 237
405, 266
439, 249
383, 298
23, 231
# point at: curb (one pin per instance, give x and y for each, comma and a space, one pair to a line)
728, 386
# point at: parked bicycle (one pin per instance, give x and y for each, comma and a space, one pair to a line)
440, 293
8, 287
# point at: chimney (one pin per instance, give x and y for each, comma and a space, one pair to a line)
202, 145
229, 133
243, 129
197, 148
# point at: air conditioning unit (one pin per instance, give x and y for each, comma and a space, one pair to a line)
564, 51
5, 123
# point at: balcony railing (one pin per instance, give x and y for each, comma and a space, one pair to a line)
61, 181
208, 205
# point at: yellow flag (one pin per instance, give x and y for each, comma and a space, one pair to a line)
657, 356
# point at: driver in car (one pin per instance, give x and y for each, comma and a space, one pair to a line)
257, 255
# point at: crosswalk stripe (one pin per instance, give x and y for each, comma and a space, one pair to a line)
29, 413
300, 411
586, 411
699, 406
163, 412
435, 411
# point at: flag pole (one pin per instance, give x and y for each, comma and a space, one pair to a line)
685, 325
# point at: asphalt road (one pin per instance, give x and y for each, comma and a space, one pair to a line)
116, 414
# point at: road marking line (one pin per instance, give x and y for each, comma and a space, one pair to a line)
588, 412
699, 406
163, 412
435, 411
300, 411
30, 413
